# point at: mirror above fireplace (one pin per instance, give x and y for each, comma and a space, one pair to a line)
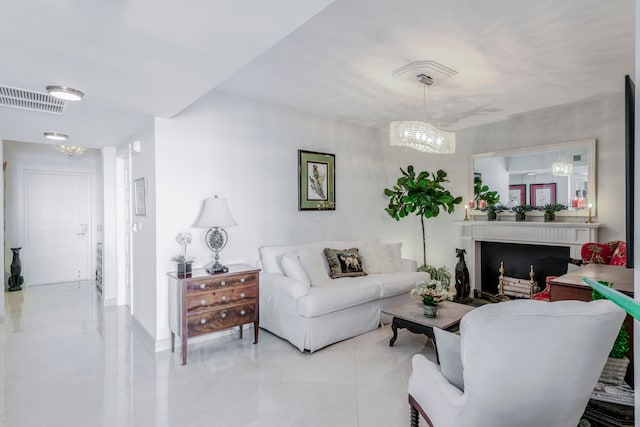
562, 173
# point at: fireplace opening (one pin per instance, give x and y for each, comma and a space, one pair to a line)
517, 259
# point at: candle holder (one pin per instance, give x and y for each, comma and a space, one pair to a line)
466, 217
590, 218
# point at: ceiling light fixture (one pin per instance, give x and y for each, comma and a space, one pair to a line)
70, 150
56, 136
66, 93
562, 169
421, 135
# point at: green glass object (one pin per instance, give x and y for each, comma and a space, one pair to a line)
617, 297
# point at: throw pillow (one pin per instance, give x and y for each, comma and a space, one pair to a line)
344, 263
448, 347
596, 253
293, 268
381, 258
315, 265
619, 257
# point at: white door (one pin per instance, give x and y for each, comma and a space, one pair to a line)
57, 227
128, 219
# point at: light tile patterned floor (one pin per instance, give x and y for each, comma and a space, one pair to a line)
66, 361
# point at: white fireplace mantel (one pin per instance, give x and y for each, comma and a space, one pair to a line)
567, 234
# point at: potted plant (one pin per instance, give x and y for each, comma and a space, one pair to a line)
431, 293
441, 274
521, 211
550, 210
615, 369
482, 192
184, 264
493, 211
422, 194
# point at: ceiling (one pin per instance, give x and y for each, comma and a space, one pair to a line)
136, 60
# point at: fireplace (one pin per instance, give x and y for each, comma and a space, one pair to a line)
558, 240
517, 259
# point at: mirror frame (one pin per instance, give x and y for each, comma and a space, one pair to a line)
589, 144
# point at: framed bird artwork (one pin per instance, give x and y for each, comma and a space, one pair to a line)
316, 181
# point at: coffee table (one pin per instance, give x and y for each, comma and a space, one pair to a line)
411, 316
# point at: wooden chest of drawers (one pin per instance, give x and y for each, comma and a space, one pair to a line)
205, 303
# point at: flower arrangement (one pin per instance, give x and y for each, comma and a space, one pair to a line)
431, 292
184, 240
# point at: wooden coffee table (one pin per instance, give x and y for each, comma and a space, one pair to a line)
411, 316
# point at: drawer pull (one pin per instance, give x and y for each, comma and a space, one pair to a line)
223, 283
203, 302
223, 298
242, 295
242, 280
203, 321
202, 286
242, 312
223, 315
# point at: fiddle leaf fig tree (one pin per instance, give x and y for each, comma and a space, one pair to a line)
422, 194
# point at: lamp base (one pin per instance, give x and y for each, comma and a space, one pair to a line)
217, 268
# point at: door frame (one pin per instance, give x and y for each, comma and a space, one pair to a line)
22, 210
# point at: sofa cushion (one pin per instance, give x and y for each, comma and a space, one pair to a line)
339, 294
271, 256
315, 265
293, 268
397, 283
448, 347
597, 253
381, 258
619, 257
344, 263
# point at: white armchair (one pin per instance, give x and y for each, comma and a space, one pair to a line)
524, 363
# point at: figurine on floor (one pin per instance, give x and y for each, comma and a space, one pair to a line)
463, 287
16, 280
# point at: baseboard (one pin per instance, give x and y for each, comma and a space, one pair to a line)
165, 344
109, 302
143, 335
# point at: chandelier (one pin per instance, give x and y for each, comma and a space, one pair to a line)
70, 150
562, 169
421, 135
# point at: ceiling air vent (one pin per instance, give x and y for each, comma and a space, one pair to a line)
30, 100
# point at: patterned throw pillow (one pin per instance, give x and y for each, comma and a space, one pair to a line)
344, 263
619, 257
596, 253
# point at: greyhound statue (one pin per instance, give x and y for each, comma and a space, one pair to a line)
463, 288
16, 280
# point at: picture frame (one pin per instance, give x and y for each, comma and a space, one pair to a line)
542, 194
140, 197
316, 181
517, 195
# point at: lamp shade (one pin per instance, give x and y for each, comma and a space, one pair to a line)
214, 213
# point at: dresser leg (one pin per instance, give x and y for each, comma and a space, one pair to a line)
241, 331
255, 332
184, 350
173, 342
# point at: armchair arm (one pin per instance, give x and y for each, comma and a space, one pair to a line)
438, 398
409, 265
273, 283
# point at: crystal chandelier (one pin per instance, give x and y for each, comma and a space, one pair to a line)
422, 136
562, 169
70, 150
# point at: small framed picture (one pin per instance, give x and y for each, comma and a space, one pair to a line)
316, 181
140, 197
517, 195
542, 194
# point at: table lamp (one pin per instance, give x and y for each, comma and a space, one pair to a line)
214, 215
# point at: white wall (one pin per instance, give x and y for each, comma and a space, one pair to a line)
109, 247
145, 285
21, 156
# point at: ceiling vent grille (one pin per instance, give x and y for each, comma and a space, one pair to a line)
25, 99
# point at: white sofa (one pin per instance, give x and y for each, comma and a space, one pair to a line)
302, 304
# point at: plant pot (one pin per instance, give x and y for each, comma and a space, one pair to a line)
521, 216
492, 216
184, 269
548, 217
614, 371
430, 310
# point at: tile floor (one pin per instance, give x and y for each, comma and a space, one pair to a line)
66, 361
